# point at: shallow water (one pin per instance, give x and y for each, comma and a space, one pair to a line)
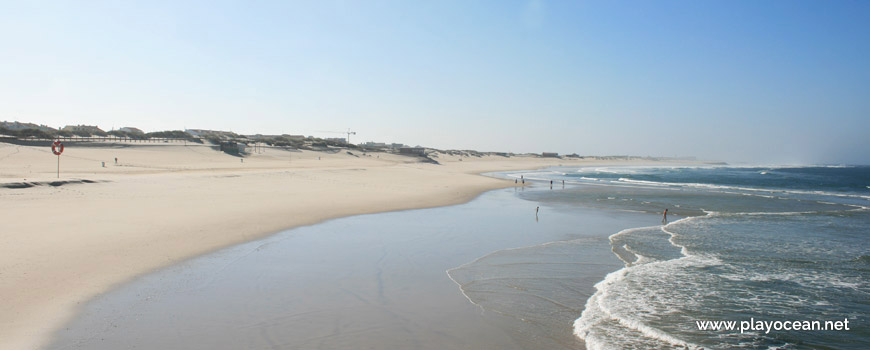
763, 244
595, 265
374, 281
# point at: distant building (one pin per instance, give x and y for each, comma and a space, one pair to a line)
132, 130
25, 126
204, 132
396, 145
261, 136
194, 132
550, 155
91, 129
414, 151
284, 136
336, 139
375, 144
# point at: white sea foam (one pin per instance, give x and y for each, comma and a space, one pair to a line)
740, 188
600, 307
604, 306
611, 319
641, 259
629, 230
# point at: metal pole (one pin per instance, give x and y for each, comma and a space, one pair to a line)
58, 166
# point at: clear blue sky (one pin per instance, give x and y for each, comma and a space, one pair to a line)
755, 81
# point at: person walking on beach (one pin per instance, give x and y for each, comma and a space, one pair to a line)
536, 211
665, 217
551, 184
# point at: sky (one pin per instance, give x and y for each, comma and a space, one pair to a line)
773, 82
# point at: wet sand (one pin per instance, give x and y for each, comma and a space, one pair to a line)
374, 281
161, 204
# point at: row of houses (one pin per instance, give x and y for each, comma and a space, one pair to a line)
92, 129
24, 126
95, 130
371, 144
286, 136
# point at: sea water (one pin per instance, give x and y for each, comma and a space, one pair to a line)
374, 281
595, 265
740, 244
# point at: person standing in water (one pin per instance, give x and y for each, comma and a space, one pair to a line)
665, 217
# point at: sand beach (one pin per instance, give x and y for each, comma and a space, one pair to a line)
536, 175
65, 243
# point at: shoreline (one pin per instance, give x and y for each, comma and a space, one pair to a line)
174, 203
395, 235
579, 243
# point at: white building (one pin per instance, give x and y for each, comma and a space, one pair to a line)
25, 126
132, 130
93, 129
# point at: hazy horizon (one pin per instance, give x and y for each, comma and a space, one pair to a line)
777, 82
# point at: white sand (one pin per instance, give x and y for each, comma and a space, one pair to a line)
61, 246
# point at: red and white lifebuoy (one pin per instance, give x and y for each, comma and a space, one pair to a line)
57, 148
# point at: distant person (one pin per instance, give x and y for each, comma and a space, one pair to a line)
563, 183
515, 180
537, 209
551, 184
665, 217
116, 160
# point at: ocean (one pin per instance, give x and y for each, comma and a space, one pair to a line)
588, 262
741, 245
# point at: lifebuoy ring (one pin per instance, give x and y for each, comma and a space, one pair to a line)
57, 148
